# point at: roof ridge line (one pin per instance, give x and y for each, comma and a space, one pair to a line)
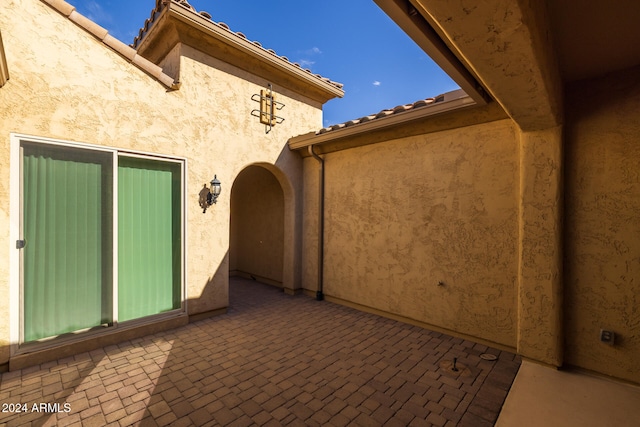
421, 108
124, 50
160, 4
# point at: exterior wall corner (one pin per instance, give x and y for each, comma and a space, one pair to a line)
540, 249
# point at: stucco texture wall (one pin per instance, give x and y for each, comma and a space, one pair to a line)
66, 84
227, 139
311, 219
404, 215
602, 248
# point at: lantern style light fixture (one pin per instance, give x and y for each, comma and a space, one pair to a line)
214, 191
209, 196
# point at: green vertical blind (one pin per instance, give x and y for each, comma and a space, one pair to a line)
67, 214
148, 237
67, 229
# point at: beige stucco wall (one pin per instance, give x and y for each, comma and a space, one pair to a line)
311, 219
66, 84
227, 139
403, 215
602, 245
540, 248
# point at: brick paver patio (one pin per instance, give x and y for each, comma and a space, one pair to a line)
272, 360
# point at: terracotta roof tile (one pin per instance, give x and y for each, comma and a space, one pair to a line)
384, 113
160, 4
69, 12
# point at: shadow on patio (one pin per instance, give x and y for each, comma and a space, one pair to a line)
272, 360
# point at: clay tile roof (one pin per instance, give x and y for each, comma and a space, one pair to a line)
160, 5
70, 13
384, 113
186, 4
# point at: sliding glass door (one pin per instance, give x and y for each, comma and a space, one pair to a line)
149, 246
69, 206
67, 280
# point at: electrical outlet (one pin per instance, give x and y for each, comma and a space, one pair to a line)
607, 337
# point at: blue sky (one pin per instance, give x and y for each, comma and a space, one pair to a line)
348, 41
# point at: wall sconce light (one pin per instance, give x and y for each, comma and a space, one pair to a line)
209, 196
216, 188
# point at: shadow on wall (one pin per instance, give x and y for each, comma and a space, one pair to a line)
140, 369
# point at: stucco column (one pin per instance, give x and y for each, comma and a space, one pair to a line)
540, 250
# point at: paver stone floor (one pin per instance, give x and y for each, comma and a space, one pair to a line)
272, 360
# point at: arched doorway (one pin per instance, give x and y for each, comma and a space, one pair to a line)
260, 235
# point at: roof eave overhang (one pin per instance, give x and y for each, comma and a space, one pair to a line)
312, 138
188, 27
505, 49
413, 23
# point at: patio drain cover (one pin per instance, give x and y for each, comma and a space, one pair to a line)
488, 356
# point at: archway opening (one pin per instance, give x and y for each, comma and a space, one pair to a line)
257, 228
